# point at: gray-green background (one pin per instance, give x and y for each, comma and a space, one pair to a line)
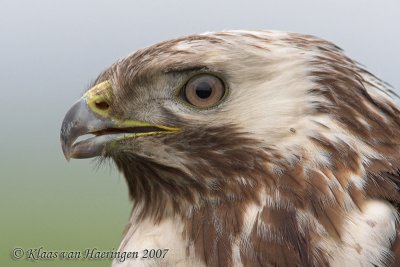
50, 50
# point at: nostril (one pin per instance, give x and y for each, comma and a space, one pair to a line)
103, 105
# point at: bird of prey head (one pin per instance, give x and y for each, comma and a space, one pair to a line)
248, 148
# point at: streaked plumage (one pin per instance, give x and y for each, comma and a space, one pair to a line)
297, 165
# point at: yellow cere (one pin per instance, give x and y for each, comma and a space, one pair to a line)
99, 93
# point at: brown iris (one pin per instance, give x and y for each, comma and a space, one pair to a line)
204, 90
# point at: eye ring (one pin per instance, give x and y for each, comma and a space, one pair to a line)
204, 90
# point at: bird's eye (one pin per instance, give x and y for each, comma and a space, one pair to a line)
204, 90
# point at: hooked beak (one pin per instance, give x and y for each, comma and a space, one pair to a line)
90, 115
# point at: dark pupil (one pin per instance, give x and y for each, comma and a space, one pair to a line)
203, 90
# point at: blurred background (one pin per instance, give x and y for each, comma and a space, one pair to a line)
51, 50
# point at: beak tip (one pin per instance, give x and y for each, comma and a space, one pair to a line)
67, 157
65, 149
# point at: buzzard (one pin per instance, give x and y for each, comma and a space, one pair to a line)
247, 148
